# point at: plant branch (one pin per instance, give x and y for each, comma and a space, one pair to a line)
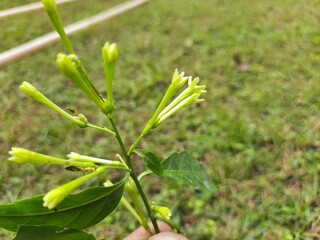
134, 145
101, 128
127, 205
134, 176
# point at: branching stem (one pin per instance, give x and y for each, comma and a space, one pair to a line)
134, 176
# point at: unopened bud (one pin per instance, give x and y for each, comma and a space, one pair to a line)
163, 211
50, 6
56, 196
66, 65
110, 53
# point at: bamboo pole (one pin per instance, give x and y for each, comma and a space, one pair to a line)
32, 7
51, 38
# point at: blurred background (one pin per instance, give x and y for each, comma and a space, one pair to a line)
257, 133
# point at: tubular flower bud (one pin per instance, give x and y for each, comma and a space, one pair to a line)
51, 8
166, 108
178, 80
72, 68
110, 53
194, 98
21, 155
56, 196
32, 92
110, 56
83, 158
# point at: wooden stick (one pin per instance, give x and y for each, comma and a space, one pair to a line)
32, 7
51, 38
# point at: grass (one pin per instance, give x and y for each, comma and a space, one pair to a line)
257, 132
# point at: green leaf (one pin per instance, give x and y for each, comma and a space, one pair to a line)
152, 161
51, 233
76, 211
183, 166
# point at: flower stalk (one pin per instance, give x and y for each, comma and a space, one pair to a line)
134, 177
82, 158
51, 8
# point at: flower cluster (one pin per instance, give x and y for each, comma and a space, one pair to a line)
83, 163
189, 96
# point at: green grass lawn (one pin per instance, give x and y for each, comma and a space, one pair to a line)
257, 133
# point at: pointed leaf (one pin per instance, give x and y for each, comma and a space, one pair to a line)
51, 233
76, 211
183, 166
152, 160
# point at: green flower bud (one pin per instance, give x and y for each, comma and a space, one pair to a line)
131, 188
178, 80
71, 67
188, 96
83, 118
21, 155
110, 57
32, 92
110, 53
82, 158
163, 211
66, 66
194, 98
56, 196
50, 6
192, 89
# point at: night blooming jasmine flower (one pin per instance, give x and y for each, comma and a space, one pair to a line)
21, 155
56, 196
51, 8
82, 158
166, 108
32, 92
190, 95
110, 56
72, 68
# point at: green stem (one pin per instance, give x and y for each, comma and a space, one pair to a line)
134, 145
57, 23
127, 205
134, 176
143, 174
101, 128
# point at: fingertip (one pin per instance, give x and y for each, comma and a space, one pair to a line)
167, 236
164, 227
141, 233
